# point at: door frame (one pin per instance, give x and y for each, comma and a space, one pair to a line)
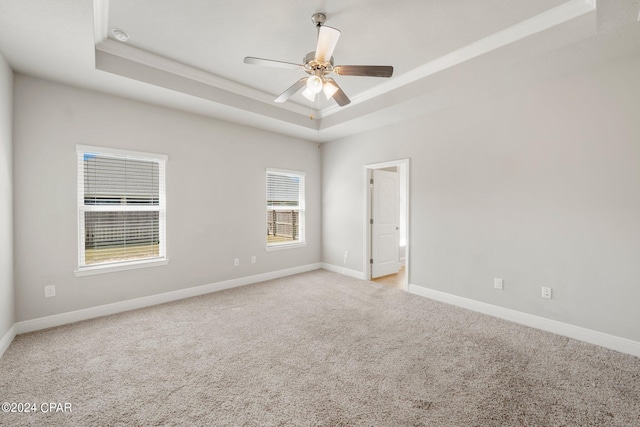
403, 165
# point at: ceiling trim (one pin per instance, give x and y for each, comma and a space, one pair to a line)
100, 20
140, 56
539, 23
125, 51
128, 61
141, 71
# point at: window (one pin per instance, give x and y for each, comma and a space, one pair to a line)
285, 209
121, 210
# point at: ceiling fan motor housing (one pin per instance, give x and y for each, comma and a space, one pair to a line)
311, 63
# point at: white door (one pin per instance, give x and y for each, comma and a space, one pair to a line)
385, 213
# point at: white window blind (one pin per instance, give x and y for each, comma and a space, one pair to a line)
285, 208
121, 207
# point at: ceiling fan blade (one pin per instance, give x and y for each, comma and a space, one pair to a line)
272, 63
327, 40
364, 70
339, 96
292, 90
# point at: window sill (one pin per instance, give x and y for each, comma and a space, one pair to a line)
111, 268
284, 246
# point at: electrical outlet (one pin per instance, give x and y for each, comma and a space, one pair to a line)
50, 291
346, 254
253, 259
546, 292
498, 283
236, 262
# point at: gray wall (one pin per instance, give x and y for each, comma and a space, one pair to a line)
6, 200
215, 195
539, 186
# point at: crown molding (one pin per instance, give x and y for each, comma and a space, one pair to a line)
140, 56
126, 60
363, 113
537, 24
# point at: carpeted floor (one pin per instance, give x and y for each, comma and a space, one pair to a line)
315, 349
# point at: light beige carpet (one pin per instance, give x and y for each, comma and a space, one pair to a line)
316, 349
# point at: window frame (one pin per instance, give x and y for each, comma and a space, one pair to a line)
108, 267
301, 208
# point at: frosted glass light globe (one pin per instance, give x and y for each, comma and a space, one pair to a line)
314, 83
308, 94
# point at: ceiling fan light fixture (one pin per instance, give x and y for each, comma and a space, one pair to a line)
314, 84
329, 88
319, 64
311, 96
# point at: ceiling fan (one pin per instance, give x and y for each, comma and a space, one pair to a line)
319, 64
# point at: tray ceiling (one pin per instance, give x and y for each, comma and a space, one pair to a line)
189, 55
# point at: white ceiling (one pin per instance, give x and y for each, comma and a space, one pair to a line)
188, 54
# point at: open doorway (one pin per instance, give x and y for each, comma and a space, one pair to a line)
387, 223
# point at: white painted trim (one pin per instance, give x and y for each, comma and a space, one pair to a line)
342, 270
536, 24
105, 151
613, 342
131, 53
112, 268
284, 246
119, 307
6, 340
287, 172
100, 20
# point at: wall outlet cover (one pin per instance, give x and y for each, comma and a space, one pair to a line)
50, 291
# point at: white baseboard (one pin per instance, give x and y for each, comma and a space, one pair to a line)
6, 340
594, 337
613, 342
342, 270
119, 307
